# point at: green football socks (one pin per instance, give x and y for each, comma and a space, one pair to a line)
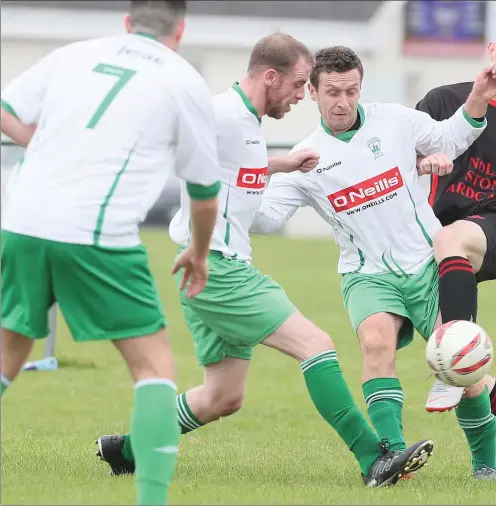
479, 424
384, 398
333, 400
187, 420
187, 423
154, 438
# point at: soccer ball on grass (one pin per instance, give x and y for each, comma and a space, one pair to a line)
460, 353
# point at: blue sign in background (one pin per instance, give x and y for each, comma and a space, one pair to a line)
447, 21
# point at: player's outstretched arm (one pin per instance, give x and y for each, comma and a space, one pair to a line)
285, 194
12, 127
483, 90
454, 135
303, 160
23, 98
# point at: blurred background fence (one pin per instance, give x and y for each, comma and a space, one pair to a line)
407, 48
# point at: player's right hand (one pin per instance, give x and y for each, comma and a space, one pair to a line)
304, 160
195, 271
439, 164
485, 83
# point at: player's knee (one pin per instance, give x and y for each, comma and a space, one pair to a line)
147, 357
312, 344
448, 242
376, 344
299, 338
378, 349
462, 238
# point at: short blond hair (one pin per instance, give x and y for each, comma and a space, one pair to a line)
278, 51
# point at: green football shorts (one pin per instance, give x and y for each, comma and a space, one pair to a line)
103, 293
238, 309
415, 297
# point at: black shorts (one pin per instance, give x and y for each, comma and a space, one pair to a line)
487, 221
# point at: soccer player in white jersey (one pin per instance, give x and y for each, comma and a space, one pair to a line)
241, 308
111, 118
366, 187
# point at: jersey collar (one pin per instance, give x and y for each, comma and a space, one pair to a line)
345, 136
237, 88
146, 35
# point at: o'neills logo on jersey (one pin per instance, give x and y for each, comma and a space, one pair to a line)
253, 179
367, 190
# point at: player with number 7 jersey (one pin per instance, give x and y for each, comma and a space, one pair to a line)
105, 122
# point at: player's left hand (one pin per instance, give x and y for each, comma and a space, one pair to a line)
303, 160
485, 83
439, 164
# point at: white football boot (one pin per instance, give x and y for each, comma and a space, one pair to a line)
443, 397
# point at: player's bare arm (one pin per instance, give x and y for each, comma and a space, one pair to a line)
303, 160
483, 91
13, 127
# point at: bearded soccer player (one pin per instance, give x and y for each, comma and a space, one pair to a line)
465, 203
111, 118
366, 186
241, 308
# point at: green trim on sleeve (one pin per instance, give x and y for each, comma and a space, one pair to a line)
7, 107
473, 122
199, 192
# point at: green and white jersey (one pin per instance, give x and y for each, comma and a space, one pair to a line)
367, 188
115, 117
243, 160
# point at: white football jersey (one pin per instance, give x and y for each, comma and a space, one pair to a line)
367, 188
115, 117
243, 160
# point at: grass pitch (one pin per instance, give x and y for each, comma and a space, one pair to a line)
276, 450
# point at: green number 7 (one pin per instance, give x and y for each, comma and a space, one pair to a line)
123, 76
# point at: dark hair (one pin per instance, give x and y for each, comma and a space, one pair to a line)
335, 59
156, 17
278, 51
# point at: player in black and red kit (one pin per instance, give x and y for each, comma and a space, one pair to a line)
465, 203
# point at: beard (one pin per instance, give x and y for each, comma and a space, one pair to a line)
275, 106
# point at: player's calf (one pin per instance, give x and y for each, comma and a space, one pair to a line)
459, 250
299, 338
479, 425
378, 335
221, 394
154, 425
15, 351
